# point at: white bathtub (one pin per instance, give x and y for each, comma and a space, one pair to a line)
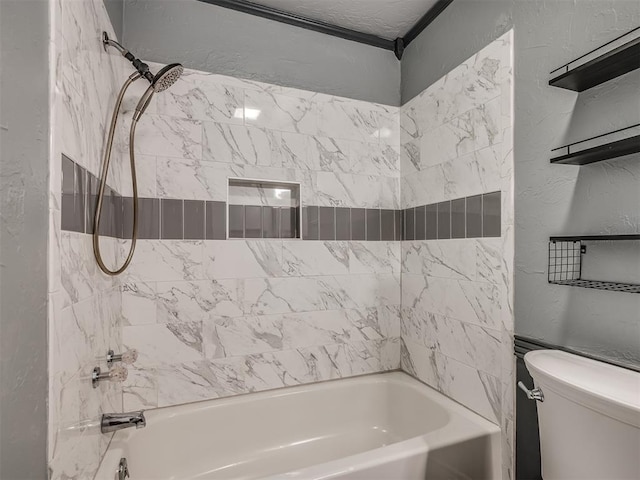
383, 426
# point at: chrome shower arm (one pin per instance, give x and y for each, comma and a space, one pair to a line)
139, 65
108, 42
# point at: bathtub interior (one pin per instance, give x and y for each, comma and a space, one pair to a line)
269, 433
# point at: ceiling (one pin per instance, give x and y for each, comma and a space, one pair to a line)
388, 19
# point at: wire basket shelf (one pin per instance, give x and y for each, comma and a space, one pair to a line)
565, 268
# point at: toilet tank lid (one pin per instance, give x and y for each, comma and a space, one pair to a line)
612, 390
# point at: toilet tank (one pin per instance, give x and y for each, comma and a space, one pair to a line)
589, 420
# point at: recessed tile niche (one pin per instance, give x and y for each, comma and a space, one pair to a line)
263, 209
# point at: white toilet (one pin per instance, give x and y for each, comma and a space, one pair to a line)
589, 417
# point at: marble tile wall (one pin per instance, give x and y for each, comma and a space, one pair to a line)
84, 304
213, 318
457, 295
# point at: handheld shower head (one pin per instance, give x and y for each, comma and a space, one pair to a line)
166, 77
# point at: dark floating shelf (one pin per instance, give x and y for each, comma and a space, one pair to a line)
607, 66
586, 238
616, 149
610, 286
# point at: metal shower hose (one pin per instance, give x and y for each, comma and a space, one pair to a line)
103, 183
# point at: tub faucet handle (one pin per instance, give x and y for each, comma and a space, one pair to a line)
129, 357
118, 373
534, 394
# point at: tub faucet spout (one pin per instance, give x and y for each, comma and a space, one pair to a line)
117, 421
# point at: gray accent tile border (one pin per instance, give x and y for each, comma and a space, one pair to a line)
270, 222
373, 224
458, 218
491, 217
327, 223
177, 219
431, 212
358, 224
254, 221
236, 221
194, 220
310, 223
474, 216
171, 219
420, 222
289, 222
467, 217
215, 220
343, 223
322, 223
351, 224
444, 220
387, 225
409, 222
355, 224
397, 218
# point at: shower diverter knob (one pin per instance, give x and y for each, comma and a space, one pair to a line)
128, 357
118, 373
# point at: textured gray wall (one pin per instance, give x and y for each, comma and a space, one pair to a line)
218, 40
24, 143
115, 9
555, 199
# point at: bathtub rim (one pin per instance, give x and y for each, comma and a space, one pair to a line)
454, 431
397, 375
